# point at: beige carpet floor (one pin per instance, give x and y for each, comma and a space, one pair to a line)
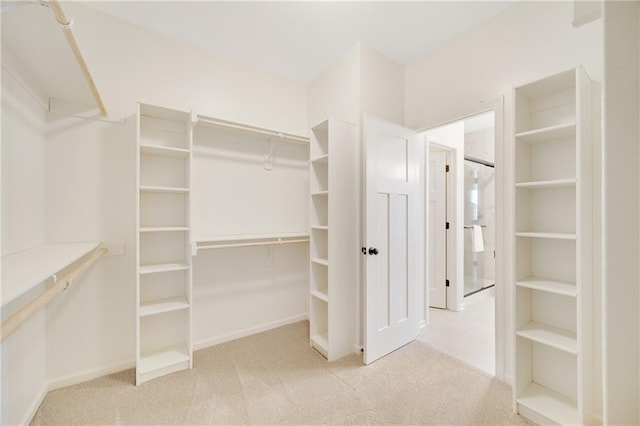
276, 378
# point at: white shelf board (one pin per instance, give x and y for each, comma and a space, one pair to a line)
320, 228
165, 189
550, 404
163, 305
554, 337
24, 270
319, 261
545, 134
550, 235
323, 159
164, 151
319, 193
166, 357
320, 295
163, 267
249, 237
163, 228
321, 343
549, 286
558, 183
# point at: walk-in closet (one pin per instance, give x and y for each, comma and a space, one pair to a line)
296, 212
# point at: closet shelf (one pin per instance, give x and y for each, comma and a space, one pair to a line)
321, 343
165, 189
163, 267
558, 183
164, 151
320, 193
163, 305
320, 295
323, 159
554, 337
550, 235
320, 261
163, 228
545, 134
549, 404
162, 358
26, 269
549, 286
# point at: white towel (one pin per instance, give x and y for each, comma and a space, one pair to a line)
476, 239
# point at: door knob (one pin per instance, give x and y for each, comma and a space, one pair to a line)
373, 251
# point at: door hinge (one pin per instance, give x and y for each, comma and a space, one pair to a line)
446, 283
446, 168
446, 225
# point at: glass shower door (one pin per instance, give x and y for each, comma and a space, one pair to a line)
479, 226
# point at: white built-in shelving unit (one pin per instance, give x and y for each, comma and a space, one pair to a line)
163, 279
333, 245
552, 298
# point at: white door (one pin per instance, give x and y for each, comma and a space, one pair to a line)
394, 214
437, 252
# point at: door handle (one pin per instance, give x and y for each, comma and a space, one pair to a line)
373, 251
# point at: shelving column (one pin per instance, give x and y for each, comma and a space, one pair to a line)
333, 238
553, 293
163, 259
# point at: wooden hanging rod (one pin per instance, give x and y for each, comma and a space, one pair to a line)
250, 129
11, 324
255, 244
67, 24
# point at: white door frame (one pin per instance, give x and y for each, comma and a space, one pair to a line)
503, 314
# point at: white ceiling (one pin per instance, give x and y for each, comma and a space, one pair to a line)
298, 40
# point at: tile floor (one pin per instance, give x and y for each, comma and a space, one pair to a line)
468, 335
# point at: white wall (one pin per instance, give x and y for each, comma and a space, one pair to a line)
527, 41
90, 193
621, 190
131, 64
24, 377
381, 86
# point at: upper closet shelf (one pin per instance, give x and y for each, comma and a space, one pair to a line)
560, 131
24, 270
215, 122
248, 240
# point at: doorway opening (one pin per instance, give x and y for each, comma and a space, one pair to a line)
462, 308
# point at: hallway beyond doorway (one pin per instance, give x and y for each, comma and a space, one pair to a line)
468, 335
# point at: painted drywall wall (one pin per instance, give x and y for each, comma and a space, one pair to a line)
381, 86
527, 41
90, 193
24, 380
336, 92
23, 160
621, 190
159, 70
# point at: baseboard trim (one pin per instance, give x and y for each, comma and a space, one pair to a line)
207, 343
74, 379
33, 408
358, 349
